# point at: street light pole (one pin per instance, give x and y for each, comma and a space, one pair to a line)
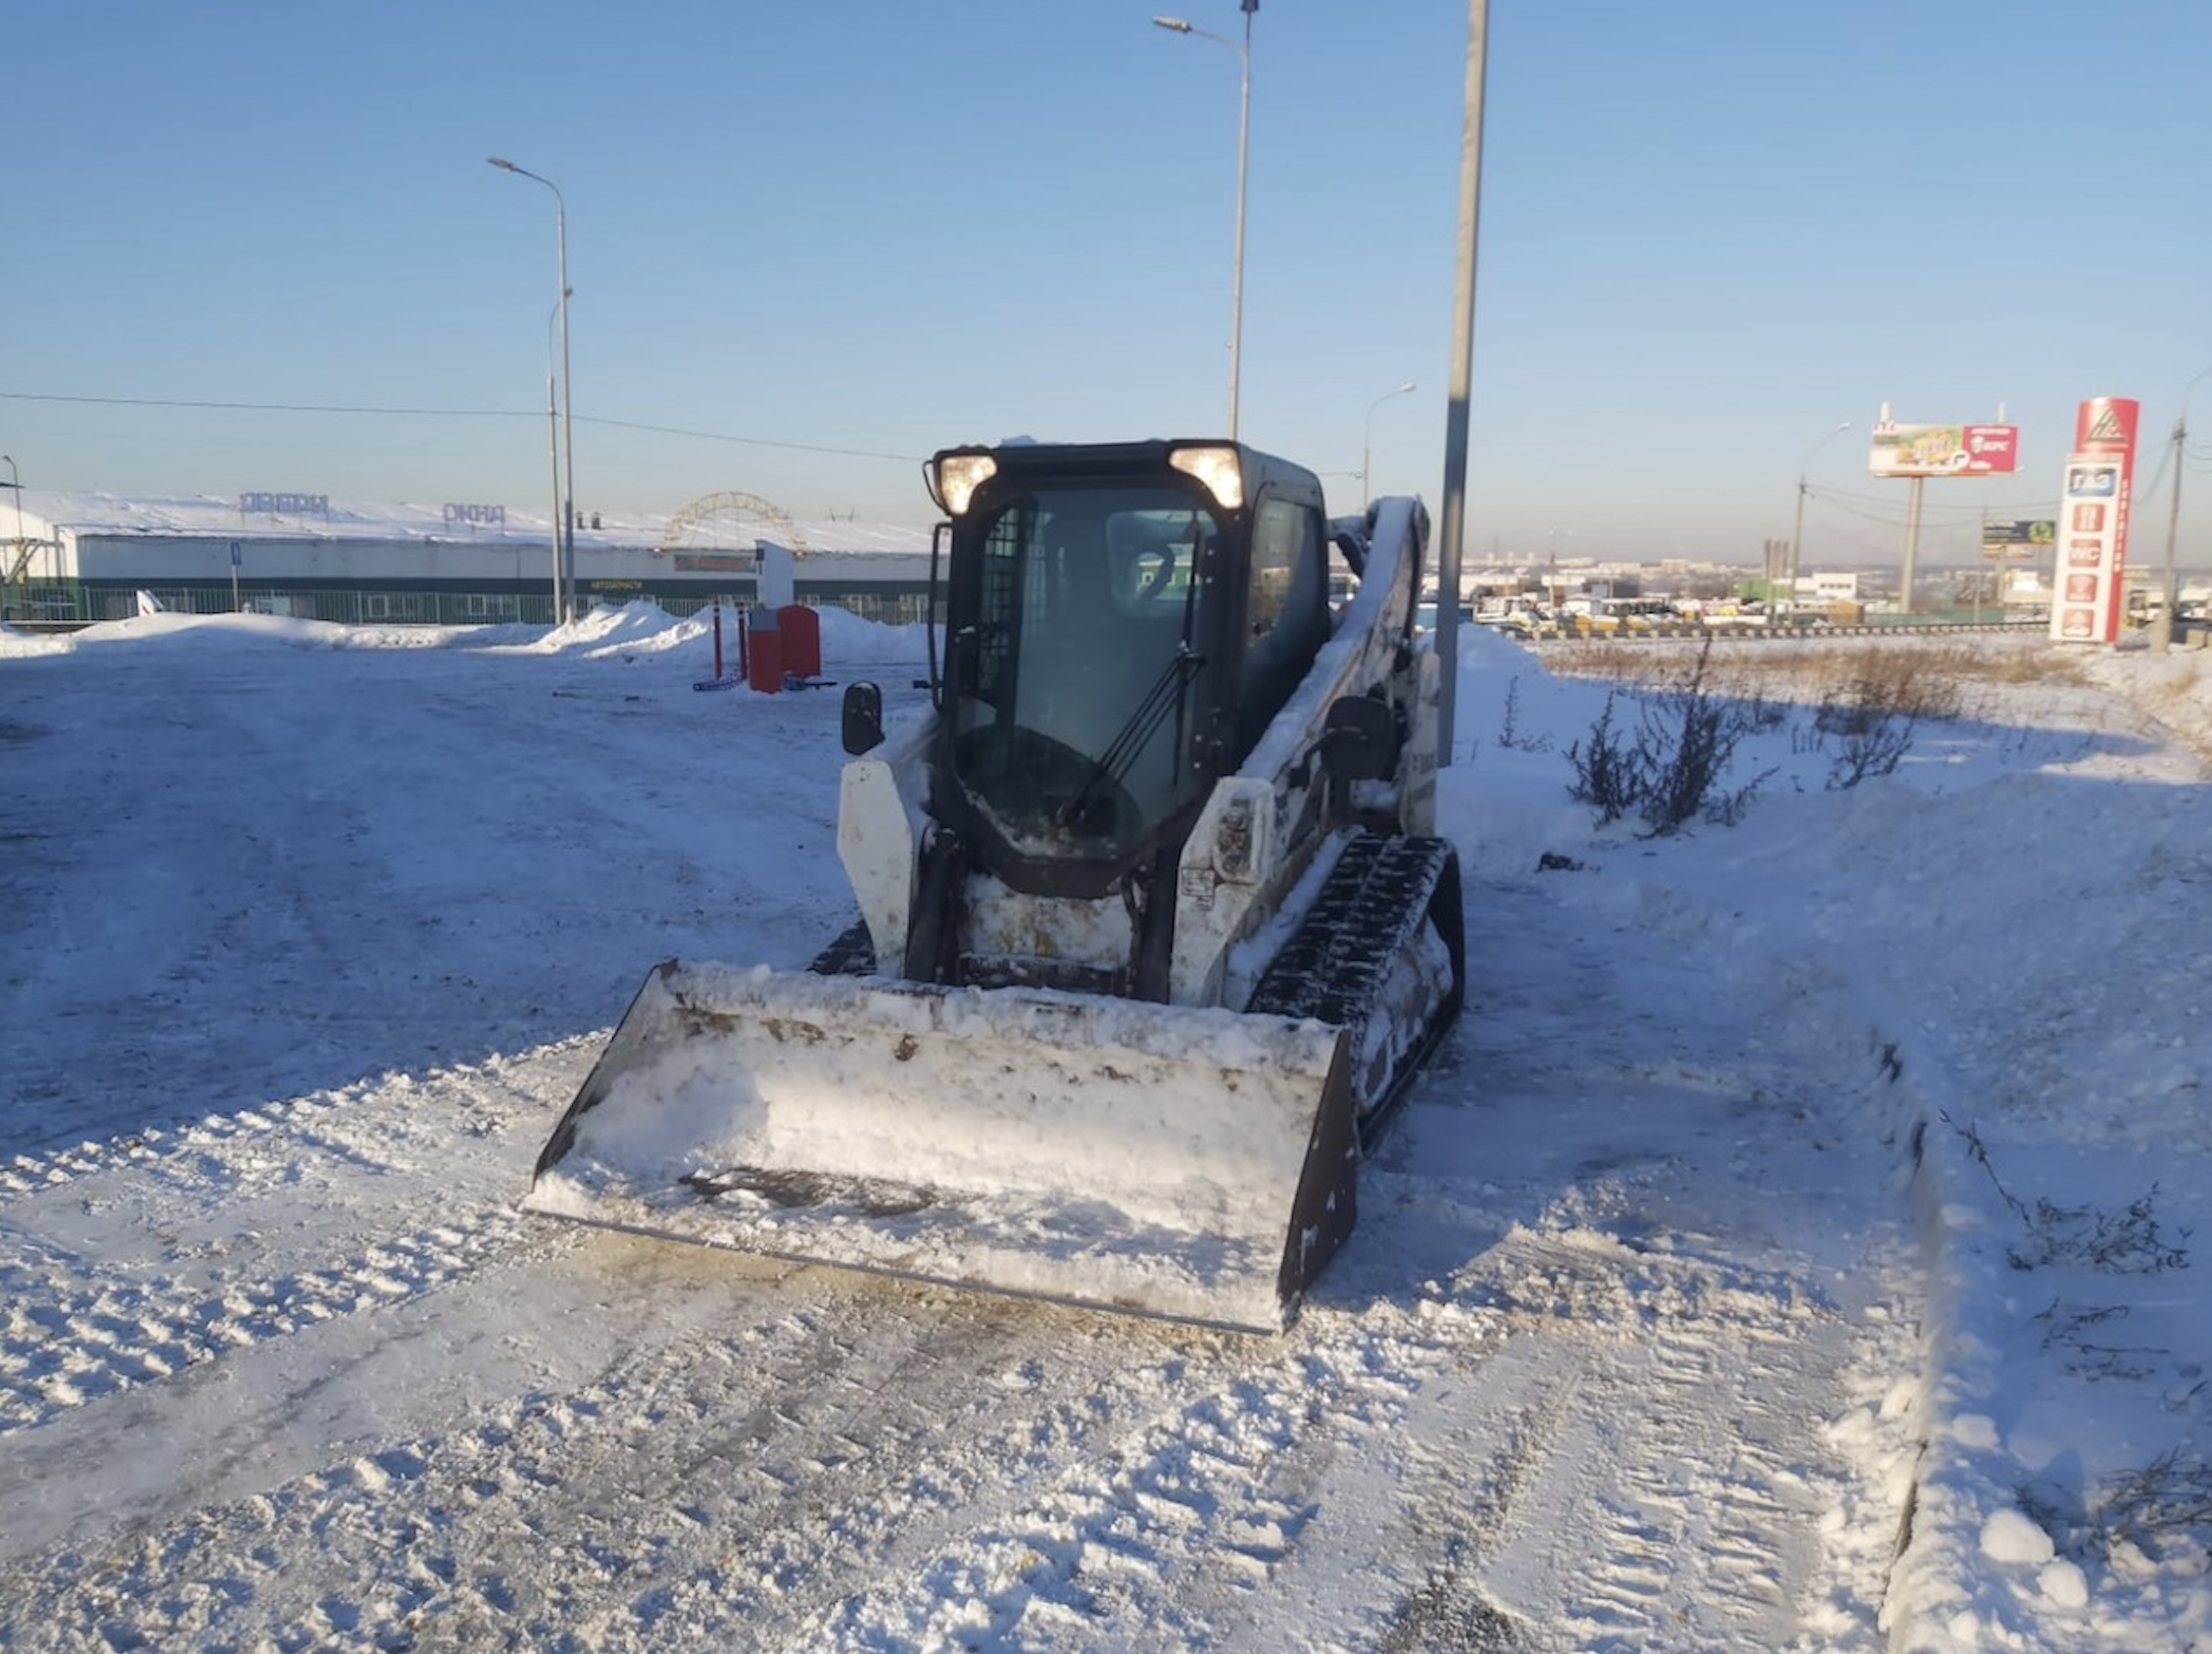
8, 570
552, 454
1243, 151
564, 525
1796, 531
1366, 441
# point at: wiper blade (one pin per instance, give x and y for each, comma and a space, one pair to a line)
1163, 697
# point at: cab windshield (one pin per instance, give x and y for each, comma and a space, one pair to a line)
1072, 706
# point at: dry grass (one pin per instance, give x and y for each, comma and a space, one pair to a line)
1934, 678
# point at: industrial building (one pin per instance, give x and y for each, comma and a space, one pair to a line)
78, 558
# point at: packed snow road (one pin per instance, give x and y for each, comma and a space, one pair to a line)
1616, 1359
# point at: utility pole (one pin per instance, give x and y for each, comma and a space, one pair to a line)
1791, 567
2163, 636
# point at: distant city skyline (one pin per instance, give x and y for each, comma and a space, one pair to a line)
808, 246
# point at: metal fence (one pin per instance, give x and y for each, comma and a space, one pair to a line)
1789, 631
68, 604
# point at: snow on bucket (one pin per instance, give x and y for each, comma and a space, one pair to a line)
1190, 1163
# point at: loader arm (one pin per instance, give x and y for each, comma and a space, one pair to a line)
1256, 836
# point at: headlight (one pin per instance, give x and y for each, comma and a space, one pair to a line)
958, 477
1220, 470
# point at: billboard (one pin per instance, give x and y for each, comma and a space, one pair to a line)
2092, 522
1944, 449
2021, 541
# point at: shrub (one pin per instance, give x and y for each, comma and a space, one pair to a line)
1606, 775
1870, 740
1672, 773
1509, 730
2129, 1242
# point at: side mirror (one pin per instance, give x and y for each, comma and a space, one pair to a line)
863, 718
1359, 740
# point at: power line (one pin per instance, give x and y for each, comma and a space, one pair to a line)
759, 441
205, 405
271, 406
1939, 515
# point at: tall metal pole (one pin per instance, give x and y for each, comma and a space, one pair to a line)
1237, 286
8, 570
1452, 528
1796, 531
1992, 573
553, 451
2165, 639
1367, 442
1790, 563
564, 525
1243, 152
567, 426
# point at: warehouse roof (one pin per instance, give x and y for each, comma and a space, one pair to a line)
294, 517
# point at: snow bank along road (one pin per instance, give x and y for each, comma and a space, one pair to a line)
1616, 1361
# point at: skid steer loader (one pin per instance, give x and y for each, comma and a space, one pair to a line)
1154, 928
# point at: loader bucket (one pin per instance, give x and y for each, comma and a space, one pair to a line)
1195, 1164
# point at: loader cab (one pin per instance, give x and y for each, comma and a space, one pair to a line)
1121, 624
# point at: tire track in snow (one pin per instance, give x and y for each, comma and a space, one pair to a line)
231, 1247
1199, 1505
64, 1341
196, 1155
153, 1147
844, 1465
859, 1463
1677, 1501
715, 1482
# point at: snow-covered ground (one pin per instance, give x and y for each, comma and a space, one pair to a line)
1793, 1249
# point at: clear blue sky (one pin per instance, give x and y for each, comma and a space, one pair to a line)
810, 243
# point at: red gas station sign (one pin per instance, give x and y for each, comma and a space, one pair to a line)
2092, 573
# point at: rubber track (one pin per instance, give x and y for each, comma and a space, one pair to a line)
1370, 910
851, 954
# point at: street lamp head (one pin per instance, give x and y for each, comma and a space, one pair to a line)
502, 164
1831, 436
1183, 27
